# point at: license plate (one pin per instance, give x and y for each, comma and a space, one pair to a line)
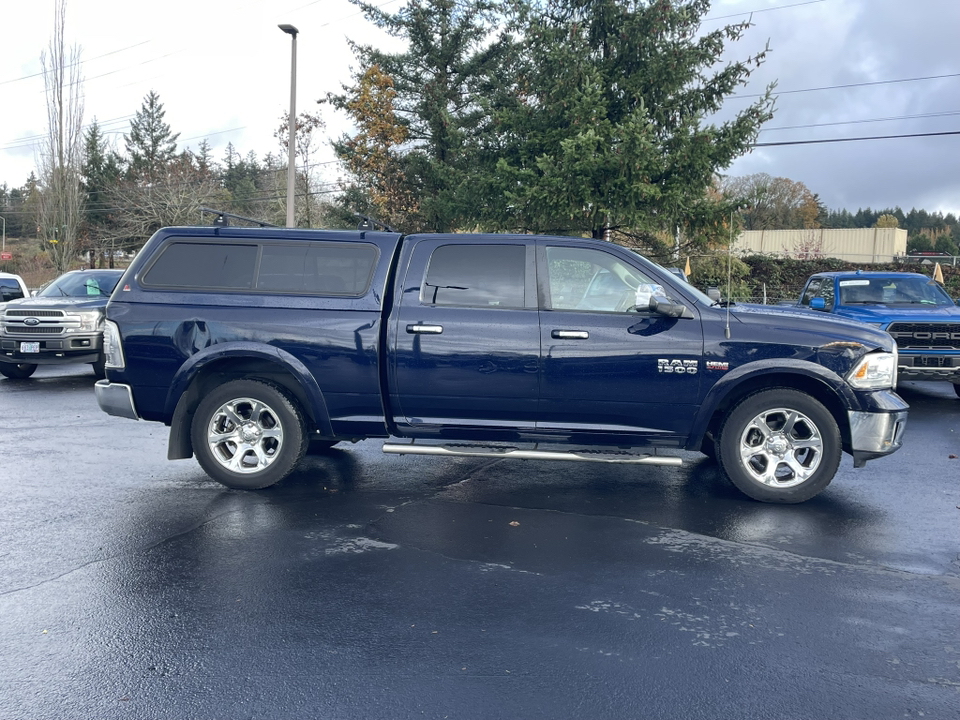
33, 347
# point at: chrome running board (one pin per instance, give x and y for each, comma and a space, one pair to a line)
514, 453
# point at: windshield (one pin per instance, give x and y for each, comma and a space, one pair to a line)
82, 284
908, 290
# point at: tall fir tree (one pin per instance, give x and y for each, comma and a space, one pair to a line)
453, 47
151, 146
102, 169
603, 130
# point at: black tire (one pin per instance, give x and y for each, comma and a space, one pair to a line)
797, 444
99, 368
319, 447
17, 371
709, 447
262, 449
956, 389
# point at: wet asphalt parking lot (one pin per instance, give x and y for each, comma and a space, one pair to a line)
369, 586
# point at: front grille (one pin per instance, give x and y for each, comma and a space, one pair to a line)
35, 313
945, 336
934, 361
42, 330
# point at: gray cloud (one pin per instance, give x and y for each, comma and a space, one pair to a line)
841, 42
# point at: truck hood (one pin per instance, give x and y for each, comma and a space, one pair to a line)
897, 313
831, 328
58, 303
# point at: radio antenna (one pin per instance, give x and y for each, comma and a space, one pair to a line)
726, 330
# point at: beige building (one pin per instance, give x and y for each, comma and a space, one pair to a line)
865, 245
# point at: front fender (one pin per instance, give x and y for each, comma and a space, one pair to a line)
729, 384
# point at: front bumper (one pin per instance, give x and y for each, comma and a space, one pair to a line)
929, 367
115, 399
875, 434
78, 348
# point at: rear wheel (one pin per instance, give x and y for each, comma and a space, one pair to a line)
248, 434
780, 446
17, 371
956, 389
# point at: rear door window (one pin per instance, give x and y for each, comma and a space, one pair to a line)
476, 275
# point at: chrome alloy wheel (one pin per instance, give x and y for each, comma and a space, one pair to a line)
781, 447
245, 435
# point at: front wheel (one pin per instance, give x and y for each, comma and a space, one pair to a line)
100, 368
17, 371
248, 434
780, 446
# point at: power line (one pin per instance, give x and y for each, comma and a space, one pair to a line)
761, 10
852, 85
855, 139
112, 52
945, 113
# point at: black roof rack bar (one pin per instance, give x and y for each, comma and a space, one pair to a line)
368, 223
222, 218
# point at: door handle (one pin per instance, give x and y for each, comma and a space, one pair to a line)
570, 334
425, 329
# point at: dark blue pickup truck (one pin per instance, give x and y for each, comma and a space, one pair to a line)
258, 345
915, 310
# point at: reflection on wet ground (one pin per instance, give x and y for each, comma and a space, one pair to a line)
392, 587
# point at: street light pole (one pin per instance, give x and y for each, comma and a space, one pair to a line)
292, 124
4, 234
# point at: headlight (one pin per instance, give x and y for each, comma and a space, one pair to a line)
112, 349
874, 372
89, 320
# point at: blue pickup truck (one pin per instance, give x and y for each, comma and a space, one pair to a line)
915, 310
257, 345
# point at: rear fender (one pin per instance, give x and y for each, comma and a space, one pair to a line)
185, 394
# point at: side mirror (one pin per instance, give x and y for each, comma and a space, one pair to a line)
661, 306
818, 303
714, 294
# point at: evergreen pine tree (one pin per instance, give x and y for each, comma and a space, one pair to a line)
150, 145
437, 95
603, 129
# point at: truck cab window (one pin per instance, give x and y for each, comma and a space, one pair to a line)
811, 292
10, 291
476, 276
581, 279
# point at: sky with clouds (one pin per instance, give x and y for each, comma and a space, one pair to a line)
844, 69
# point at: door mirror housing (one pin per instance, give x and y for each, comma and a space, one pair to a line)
818, 303
659, 305
714, 294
